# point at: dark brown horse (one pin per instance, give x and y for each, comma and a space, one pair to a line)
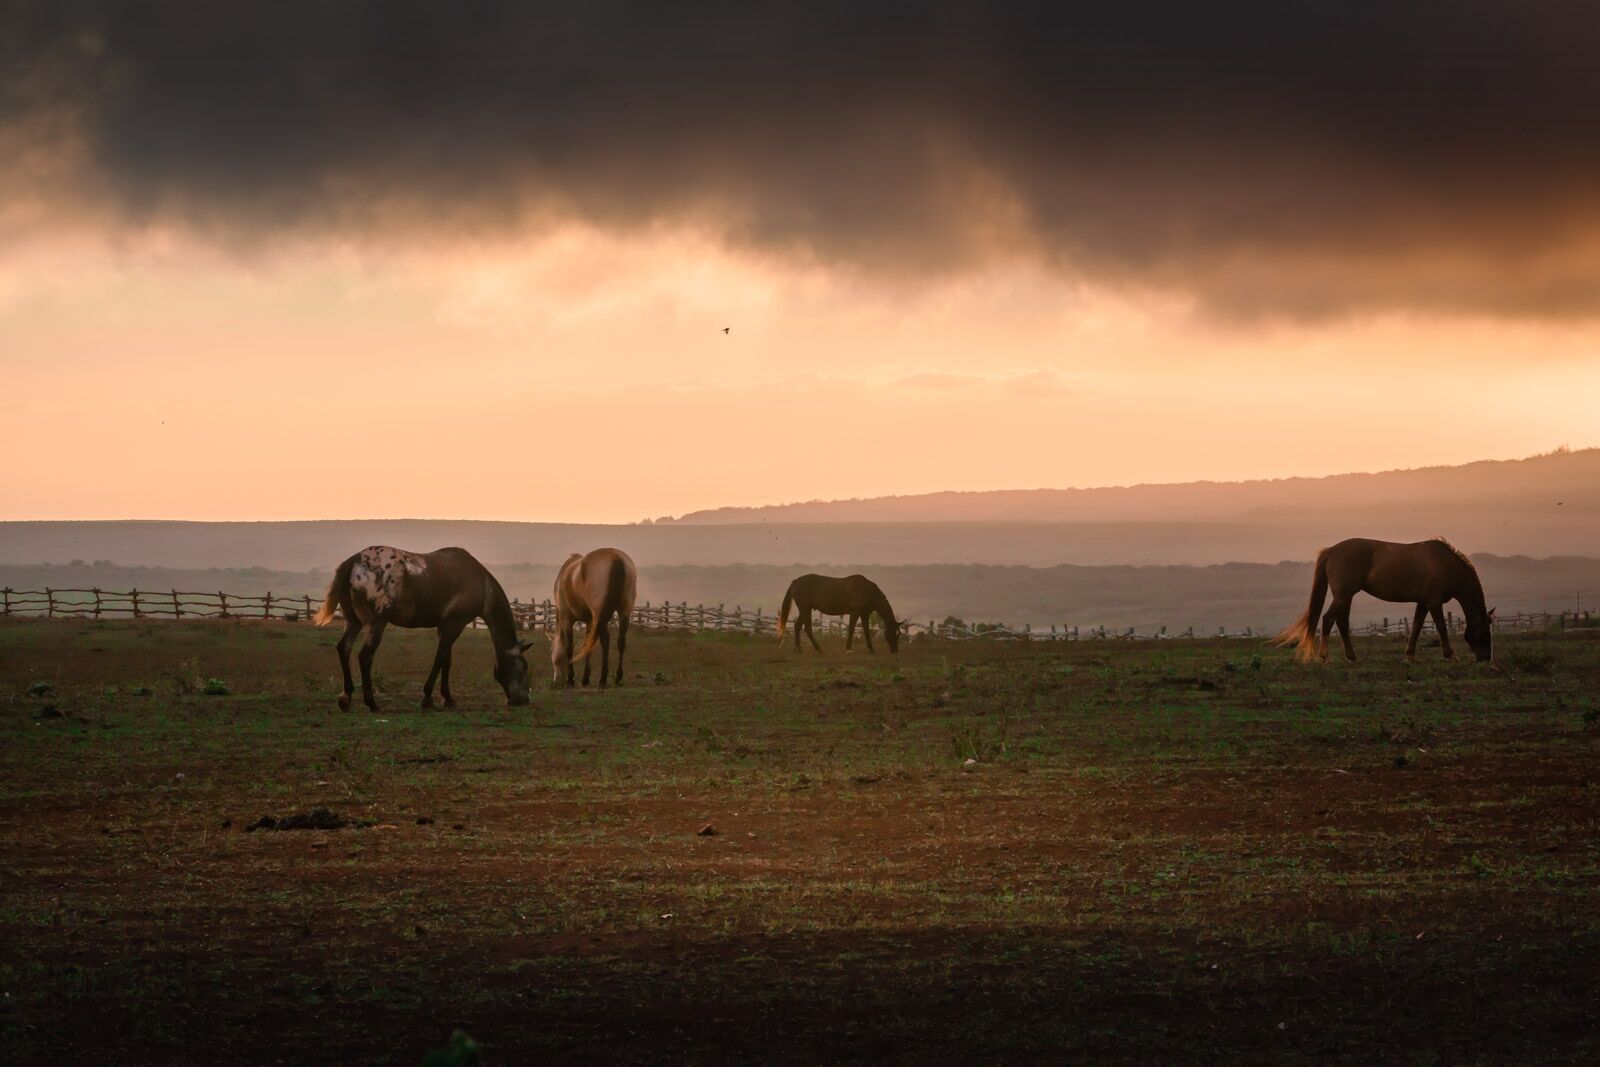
591, 589
854, 596
1427, 573
446, 590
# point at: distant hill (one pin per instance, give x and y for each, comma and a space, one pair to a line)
1539, 485
1544, 506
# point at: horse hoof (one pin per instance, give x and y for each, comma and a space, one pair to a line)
374, 708
344, 702
427, 704
449, 705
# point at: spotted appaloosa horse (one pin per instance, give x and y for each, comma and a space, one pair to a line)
854, 596
1428, 573
446, 590
590, 589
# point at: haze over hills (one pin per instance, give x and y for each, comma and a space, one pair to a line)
1569, 479
1544, 506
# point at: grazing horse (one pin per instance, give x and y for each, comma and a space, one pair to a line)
590, 589
1427, 573
854, 596
446, 589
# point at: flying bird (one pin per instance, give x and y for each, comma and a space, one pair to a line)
725, 329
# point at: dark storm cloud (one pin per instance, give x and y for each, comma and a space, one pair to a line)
1279, 157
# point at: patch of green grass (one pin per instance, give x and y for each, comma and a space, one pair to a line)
1165, 845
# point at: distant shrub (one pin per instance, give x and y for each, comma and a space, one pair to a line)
214, 687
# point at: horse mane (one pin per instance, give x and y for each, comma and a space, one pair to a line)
1462, 556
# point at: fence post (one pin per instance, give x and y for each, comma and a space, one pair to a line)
97, 602
306, 615
7, 594
49, 603
134, 596
266, 606
177, 608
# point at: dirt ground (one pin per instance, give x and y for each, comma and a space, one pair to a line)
1161, 852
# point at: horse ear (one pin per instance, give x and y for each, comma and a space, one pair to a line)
523, 646
1491, 613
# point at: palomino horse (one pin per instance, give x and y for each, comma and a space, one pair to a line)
1428, 573
446, 589
590, 589
854, 596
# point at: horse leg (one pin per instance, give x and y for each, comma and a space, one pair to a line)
799, 621
374, 637
1444, 631
1416, 630
1338, 614
352, 629
1344, 630
812, 634
849, 632
605, 653
441, 659
1328, 619
866, 631
433, 672
622, 642
570, 651
589, 659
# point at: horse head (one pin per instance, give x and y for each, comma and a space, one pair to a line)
1480, 635
511, 671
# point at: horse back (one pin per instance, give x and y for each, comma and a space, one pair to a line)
412, 589
588, 585
1420, 571
853, 594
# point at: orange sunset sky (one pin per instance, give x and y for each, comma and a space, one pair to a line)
429, 266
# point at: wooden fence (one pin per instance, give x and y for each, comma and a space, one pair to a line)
540, 615
151, 604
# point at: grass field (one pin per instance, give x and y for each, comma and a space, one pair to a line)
1164, 852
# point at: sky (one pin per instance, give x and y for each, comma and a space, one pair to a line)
604, 262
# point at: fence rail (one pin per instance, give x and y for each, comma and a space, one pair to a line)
153, 603
540, 615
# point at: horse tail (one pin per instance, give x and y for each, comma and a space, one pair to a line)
783, 612
1303, 634
610, 604
338, 592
